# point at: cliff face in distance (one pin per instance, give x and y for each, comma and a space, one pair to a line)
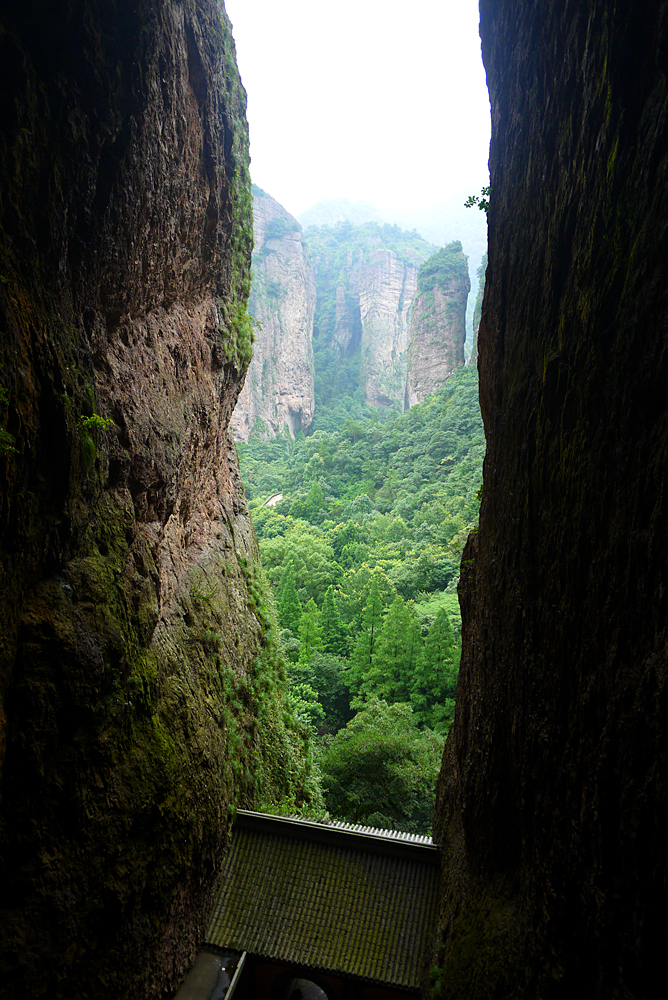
386, 287
438, 322
439, 225
366, 278
278, 391
133, 652
477, 309
552, 810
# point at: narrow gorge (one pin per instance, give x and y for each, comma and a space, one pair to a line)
144, 688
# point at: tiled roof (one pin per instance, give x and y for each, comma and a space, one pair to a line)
334, 899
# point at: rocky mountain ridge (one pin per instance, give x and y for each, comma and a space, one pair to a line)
350, 292
450, 220
366, 279
355, 288
386, 288
438, 323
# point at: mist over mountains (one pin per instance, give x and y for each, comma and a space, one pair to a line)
346, 316
440, 225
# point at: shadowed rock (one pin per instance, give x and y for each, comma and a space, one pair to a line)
551, 810
132, 622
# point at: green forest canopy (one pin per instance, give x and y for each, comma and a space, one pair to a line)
363, 555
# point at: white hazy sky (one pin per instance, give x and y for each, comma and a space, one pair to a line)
373, 100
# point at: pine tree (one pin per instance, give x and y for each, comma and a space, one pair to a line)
435, 677
315, 501
361, 660
289, 607
309, 632
333, 630
280, 585
395, 656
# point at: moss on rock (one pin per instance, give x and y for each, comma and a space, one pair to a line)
141, 691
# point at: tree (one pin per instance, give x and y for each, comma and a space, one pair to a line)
333, 630
354, 594
333, 693
395, 656
289, 607
315, 501
435, 677
362, 658
343, 534
381, 769
309, 631
290, 644
304, 702
481, 200
312, 557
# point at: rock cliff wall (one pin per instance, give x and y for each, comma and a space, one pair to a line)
438, 323
386, 288
366, 279
134, 653
278, 391
477, 309
552, 805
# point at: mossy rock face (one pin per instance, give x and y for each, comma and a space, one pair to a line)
552, 806
140, 683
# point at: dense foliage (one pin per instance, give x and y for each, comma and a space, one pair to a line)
381, 769
399, 496
363, 552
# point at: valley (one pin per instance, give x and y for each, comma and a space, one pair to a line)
362, 494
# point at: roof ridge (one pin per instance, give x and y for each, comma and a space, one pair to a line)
397, 835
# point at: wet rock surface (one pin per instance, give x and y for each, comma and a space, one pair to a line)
551, 809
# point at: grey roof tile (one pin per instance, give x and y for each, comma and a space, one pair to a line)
341, 900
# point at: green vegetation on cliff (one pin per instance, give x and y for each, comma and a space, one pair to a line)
446, 265
236, 327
